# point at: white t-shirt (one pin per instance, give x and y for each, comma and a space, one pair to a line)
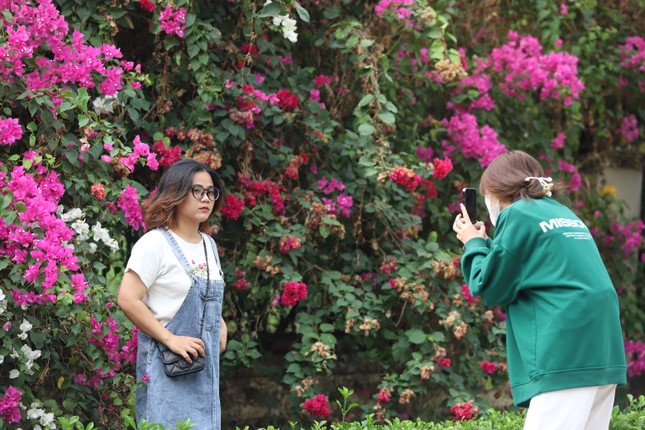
153, 259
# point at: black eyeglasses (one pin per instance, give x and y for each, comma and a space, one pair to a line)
198, 192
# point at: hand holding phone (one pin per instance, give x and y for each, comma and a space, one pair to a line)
470, 201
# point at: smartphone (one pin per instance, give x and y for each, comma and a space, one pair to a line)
470, 201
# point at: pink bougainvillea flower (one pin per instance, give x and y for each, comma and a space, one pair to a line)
322, 80
317, 406
129, 204
464, 411
488, 367
173, 22
289, 243
558, 141
293, 292
10, 405
384, 395
287, 100
441, 168
628, 128
10, 131
465, 292
232, 207
635, 351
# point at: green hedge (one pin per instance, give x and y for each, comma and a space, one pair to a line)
632, 417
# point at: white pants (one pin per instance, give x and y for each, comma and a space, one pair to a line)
587, 408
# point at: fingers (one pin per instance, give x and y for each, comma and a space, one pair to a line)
198, 348
188, 347
464, 213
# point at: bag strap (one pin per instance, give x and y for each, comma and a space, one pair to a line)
215, 253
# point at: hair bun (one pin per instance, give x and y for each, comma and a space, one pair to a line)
547, 183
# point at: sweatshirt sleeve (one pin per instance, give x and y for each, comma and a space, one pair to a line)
491, 272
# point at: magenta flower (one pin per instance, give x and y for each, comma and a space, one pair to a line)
129, 204
10, 405
173, 22
317, 406
10, 131
292, 293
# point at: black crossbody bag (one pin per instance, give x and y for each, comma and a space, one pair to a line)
174, 364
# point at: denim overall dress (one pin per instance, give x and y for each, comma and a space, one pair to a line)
167, 400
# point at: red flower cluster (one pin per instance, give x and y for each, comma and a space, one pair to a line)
388, 265
405, 177
441, 168
384, 396
465, 291
322, 80
258, 189
488, 367
232, 207
287, 100
249, 49
444, 362
147, 5
167, 156
289, 243
291, 171
317, 406
245, 113
293, 292
430, 189
98, 191
464, 411
242, 283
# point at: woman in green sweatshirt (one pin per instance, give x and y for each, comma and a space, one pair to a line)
563, 334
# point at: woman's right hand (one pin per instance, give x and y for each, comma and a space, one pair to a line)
188, 347
465, 229
130, 300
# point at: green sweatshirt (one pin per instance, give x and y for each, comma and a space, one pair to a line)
562, 328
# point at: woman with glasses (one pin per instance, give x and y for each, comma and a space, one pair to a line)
172, 291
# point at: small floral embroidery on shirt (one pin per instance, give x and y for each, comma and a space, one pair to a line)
199, 268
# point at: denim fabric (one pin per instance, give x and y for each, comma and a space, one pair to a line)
167, 400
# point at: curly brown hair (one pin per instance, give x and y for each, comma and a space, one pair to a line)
173, 187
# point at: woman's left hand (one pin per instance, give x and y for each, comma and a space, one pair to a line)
223, 335
465, 229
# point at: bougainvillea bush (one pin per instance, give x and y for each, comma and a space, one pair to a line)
344, 132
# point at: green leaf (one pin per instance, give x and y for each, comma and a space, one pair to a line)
366, 129
84, 14
5, 201
324, 231
434, 33
332, 12
326, 327
416, 336
83, 120
387, 118
367, 99
437, 336
437, 50
391, 107
302, 12
270, 10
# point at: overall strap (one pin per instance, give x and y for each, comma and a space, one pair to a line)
180, 255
